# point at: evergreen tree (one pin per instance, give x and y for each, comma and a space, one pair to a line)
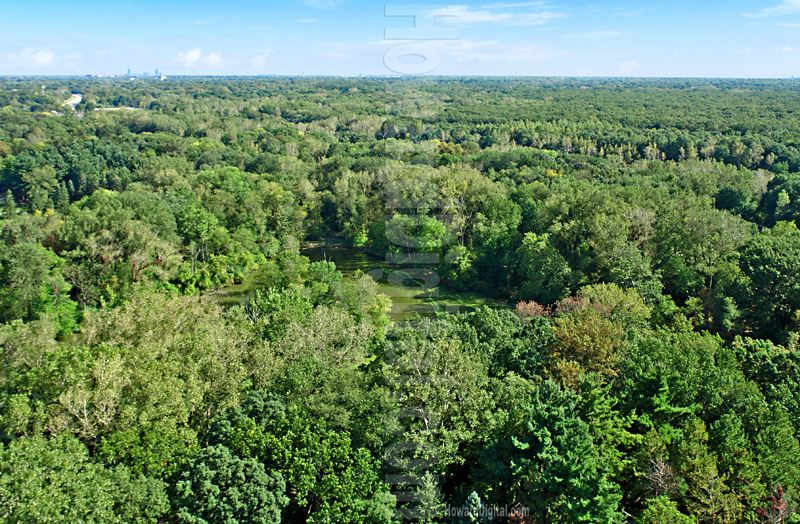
9, 206
548, 463
428, 507
220, 487
705, 493
62, 199
662, 510
737, 465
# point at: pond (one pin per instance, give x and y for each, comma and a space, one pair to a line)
407, 293
407, 298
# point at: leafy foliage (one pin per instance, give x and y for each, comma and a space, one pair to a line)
170, 351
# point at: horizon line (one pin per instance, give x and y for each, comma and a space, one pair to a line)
386, 76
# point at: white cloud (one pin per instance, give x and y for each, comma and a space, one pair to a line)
464, 15
308, 21
190, 58
261, 60
788, 25
213, 59
786, 7
195, 57
34, 58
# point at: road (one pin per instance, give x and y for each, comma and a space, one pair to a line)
75, 100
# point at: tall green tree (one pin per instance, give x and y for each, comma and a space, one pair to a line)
40, 183
544, 274
549, 463
54, 480
772, 264
327, 480
221, 487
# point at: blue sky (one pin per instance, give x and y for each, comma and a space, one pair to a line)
734, 38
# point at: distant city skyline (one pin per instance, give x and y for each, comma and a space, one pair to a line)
739, 38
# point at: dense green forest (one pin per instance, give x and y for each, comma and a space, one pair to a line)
641, 237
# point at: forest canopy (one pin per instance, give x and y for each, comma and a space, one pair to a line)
171, 353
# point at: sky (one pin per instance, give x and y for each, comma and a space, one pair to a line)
679, 38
